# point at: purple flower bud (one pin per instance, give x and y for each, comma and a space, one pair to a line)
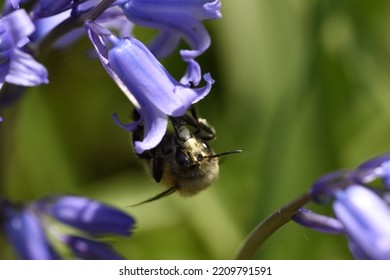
88, 249
318, 222
90, 216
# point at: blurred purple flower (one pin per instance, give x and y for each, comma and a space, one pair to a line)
28, 228
89, 215
361, 211
26, 234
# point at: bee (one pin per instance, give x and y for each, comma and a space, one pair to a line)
183, 161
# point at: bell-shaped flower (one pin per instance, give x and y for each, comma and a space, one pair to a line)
16, 66
366, 218
89, 215
154, 93
178, 19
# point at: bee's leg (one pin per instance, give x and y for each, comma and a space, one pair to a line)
158, 154
157, 166
204, 130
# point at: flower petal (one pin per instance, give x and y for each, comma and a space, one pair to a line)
318, 222
18, 26
366, 218
155, 126
164, 43
24, 70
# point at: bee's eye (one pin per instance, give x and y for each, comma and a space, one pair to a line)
206, 146
182, 158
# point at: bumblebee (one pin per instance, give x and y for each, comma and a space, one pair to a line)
183, 161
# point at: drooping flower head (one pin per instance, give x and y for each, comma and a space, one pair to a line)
361, 210
28, 227
176, 19
154, 93
17, 66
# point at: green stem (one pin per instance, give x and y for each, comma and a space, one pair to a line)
269, 225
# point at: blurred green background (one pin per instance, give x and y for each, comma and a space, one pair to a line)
302, 87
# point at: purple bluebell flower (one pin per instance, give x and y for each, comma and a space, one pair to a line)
366, 218
361, 210
154, 93
16, 66
176, 19
89, 215
33, 229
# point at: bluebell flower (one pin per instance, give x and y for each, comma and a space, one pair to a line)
179, 19
33, 231
16, 66
154, 93
361, 211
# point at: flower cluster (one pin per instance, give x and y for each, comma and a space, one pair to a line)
360, 202
29, 28
135, 67
33, 228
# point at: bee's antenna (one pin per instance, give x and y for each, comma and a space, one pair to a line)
224, 153
160, 195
